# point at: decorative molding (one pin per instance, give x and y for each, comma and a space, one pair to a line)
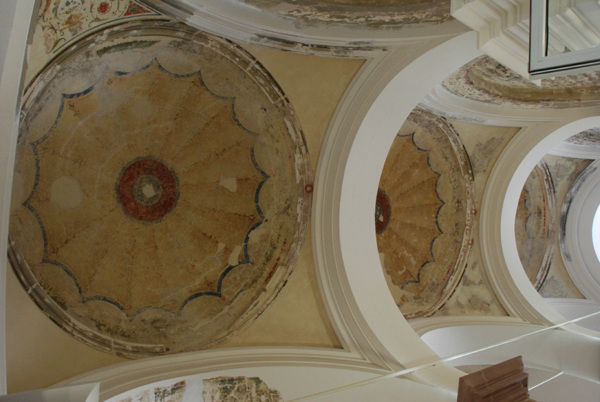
122, 377
502, 27
570, 150
424, 325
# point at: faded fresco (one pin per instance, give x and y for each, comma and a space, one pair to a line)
238, 389
424, 214
62, 22
474, 294
536, 224
589, 138
486, 80
173, 393
159, 192
374, 13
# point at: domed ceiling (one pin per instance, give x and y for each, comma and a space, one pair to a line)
424, 214
159, 196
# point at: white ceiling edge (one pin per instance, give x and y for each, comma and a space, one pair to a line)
16, 17
498, 211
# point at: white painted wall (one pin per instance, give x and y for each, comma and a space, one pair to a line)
15, 21
72, 393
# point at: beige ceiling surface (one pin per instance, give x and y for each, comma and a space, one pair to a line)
160, 196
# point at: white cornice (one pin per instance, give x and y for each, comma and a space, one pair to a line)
503, 28
122, 377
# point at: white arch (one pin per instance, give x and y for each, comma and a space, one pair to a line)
498, 211
350, 166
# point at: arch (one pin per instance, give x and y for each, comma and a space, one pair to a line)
499, 206
350, 165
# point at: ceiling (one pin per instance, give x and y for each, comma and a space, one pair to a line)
164, 179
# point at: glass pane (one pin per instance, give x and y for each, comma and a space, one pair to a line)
573, 25
564, 37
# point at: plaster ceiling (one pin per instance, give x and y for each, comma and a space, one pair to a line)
159, 192
140, 233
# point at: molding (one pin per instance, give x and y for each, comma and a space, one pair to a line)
241, 22
503, 28
443, 102
424, 325
499, 205
570, 150
123, 377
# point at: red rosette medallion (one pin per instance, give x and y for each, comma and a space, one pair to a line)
147, 190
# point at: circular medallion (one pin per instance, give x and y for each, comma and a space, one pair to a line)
159, 190
147, 190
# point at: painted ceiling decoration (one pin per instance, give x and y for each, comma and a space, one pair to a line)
61, 21
374, 13
215, 389
159, 192
535, 224
486, 80
424, 214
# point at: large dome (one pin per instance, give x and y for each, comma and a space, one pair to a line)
159, 193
